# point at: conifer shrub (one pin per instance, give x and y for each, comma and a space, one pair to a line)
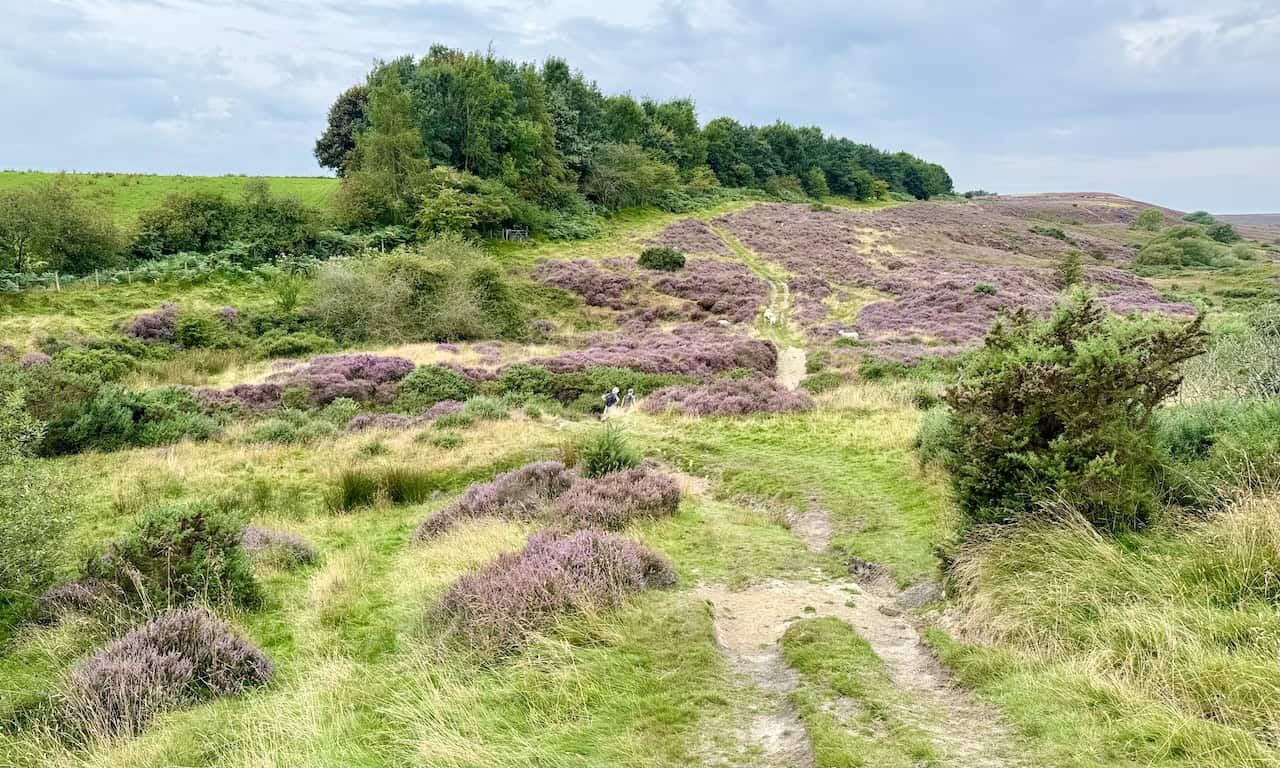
1063, 408
607, 450
181, 658
523, 593
177, 556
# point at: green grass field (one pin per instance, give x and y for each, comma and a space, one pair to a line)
126, 194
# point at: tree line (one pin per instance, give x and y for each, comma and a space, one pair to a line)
552, 139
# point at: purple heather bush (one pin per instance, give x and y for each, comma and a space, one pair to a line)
692, 236
728, 397
86, 596
395, 421
280, 547
229, 315
362, 377
446, 347
522, 593
615, 499
688, 350
181, 658
515, 495
585, 278
719, 287
158, 326
34, 360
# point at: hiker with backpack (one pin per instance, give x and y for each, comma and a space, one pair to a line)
610, 402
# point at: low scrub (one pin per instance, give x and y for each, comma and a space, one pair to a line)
607, 450
279, 548
524, 593
518, 494
614, 500
181, 658
181, 555
1212, 452
662, 258
728, 397
1064, 408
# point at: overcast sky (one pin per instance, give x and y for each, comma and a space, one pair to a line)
1171, 101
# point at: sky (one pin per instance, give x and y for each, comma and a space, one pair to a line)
1175, 102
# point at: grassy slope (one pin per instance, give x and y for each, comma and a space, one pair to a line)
126, 194
362, 680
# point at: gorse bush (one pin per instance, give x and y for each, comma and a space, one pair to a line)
1200, 217
518, 494
1150, 220
430, 384
445, 290
115, 418
290, 426
607, 450
499, 608
662, 258
181, 658
1184, 246
181, 555
1064, 407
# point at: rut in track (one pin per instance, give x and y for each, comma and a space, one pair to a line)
749, 623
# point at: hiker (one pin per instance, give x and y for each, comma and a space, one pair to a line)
630, 400
610, 400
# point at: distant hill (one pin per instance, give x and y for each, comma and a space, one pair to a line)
1257, 226
126, 194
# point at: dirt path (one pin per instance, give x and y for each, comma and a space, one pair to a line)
791, 363
749, 623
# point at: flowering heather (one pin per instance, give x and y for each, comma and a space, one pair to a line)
229, 315
362, 377
585, 278
282, 547
34, 359
719, 287
393, 421
615, 499
182, 657
446, 347
522, 593
158, 326
516, 495
472, 374
84, 596
926, 259
692, 236
728, 397
688, 350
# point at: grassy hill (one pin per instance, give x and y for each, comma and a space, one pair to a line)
125, 194
808, 543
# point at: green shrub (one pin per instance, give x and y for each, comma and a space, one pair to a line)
1047, 231
99, 365
179, 556
818, 383
1214, 451
278, 343
340, 411
1150, 220
1200, 217
115, 418
925, 399
52, 227
456, 420
986, 289
446, 441
663, 258
815, 362
1182, 246
427, 385
483, 408
1222, 233
292, 427
606, 451
526, 380
1068, 269
196, 331
1063, 408
934, 438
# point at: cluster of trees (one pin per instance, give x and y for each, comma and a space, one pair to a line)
515, 135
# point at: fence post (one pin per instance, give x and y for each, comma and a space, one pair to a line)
57, 284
